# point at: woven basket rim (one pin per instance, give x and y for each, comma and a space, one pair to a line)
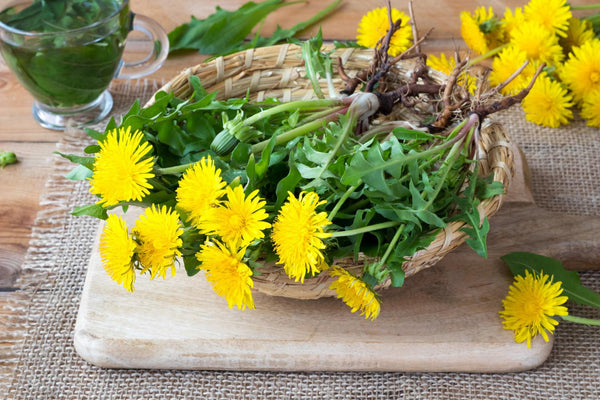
276, 71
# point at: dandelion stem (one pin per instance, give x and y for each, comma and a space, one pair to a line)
293, 133
292, 106
489, 54
320, 114
177, 169
349, 124
366, 229
581, 320
341, 202
446, 167
585, 7
392, 245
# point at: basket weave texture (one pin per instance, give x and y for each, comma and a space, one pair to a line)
278, 72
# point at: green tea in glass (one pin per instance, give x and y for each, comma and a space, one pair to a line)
66, 52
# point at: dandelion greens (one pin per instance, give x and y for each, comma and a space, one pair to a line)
311, 181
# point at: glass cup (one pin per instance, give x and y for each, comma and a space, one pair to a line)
66, 52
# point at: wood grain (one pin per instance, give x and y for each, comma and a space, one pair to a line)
442, 15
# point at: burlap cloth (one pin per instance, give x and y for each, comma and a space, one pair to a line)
38, 361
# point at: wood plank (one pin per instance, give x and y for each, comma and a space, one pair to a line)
443, 319
443, 15
21, 185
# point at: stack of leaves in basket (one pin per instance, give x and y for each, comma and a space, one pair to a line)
237, 186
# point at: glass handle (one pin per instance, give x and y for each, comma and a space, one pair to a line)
160, 49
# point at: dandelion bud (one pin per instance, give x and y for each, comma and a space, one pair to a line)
234, 131
7, 157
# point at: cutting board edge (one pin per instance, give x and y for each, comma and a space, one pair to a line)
223, 354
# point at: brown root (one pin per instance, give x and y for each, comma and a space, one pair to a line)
507, 102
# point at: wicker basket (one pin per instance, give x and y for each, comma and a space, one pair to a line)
278, 72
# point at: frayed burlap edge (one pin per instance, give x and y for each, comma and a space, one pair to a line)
15, 315
37, 271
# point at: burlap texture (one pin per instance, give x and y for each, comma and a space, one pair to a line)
40, 361
564, 162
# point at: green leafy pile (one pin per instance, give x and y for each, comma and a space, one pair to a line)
388, 192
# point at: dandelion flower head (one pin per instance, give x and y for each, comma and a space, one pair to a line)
297, 235
511, 20
200, 190
375, 24
553, 15
581, 72
239, 220
531, 303
158, 233
117, 249
537, 42
548, 103
481, 30
442, 63
579, 32
355, 293
122, 167
505, 64
446, 65
590, 110
229, 276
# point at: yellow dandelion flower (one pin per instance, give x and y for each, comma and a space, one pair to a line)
239, 220
505, 64
441, 63
117, 249
548, 103
579, 32
481, 31
374, 26
200, 189
538, 43
553, 15
531, 303
590, 110
227, 273
446, 65
122, 167
581, 72
355, 293
297, 235
158, 234
511, 20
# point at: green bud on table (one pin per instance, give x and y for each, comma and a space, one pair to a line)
6, 158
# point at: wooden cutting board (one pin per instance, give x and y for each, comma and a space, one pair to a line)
443, 319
